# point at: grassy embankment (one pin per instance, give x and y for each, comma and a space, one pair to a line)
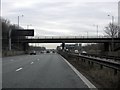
101, 78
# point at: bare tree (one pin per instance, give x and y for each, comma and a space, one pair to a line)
118, 31
112, 30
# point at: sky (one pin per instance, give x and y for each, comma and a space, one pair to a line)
61, 17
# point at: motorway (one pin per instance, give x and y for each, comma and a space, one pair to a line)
39, 71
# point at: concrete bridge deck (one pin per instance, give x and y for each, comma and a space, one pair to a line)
69, 39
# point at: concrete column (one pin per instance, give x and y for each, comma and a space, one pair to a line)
63, 46
107, 47
25, 47
119, 18
10, 39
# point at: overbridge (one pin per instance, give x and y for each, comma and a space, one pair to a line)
30, 38
68, 39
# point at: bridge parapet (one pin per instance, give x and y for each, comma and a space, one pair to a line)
67, 37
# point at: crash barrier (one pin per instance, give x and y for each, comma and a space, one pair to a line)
91, 60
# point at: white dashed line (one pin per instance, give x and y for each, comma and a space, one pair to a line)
32, 62
19, 69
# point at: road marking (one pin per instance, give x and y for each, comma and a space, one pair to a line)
84, 79
32, 62
38, 59
19, 69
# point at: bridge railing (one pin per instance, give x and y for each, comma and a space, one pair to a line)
62, 37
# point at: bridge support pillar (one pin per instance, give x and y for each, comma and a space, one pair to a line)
25, 46
92, 63
115, 71
106, 47
101, 67
63, 46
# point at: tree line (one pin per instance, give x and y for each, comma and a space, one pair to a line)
6, 26
112, 30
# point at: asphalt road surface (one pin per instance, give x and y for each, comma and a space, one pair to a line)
39, 71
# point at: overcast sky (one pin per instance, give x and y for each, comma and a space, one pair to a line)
61, 17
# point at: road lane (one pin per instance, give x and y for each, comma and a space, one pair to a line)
19, 61
47, 71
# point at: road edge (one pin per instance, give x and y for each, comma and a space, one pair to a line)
83, 78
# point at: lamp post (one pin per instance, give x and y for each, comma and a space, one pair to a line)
28, 26
10, 39
97, 37
118, 31
18, 27
97, 29
87, 34
112, 35
19, 20
112, 18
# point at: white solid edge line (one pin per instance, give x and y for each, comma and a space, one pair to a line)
84, 79
19, 69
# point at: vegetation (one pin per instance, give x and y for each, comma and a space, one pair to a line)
6, 26
102, 78
112, 30
93, 48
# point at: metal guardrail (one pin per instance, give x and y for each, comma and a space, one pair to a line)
102, 62
115, 58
